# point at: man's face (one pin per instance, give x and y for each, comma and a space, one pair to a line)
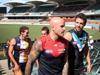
79, 24
25, 33
58, 25
59, 29
44, 33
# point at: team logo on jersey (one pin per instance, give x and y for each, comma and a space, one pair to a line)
49, 51
75, 43
24, 44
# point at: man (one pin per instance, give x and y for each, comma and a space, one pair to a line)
78, 39
44, 31
50, 52
20, 46
6, 47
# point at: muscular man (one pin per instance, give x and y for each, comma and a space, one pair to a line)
20, 45
78, 50
50, 52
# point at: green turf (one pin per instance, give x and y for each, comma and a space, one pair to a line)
94, 33
9, 31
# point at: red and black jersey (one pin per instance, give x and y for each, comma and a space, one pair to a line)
53, 56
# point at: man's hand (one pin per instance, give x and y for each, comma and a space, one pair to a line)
16, 67
89, 68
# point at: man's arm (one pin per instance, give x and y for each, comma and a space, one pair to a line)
11, 46
30, 45
68, 36
34, 53
88, 59
89, 66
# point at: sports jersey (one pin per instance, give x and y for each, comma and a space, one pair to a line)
52, 57
21, 49
79, 54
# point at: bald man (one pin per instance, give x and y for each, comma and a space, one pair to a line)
51, 52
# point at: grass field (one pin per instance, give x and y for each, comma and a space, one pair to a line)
9, 31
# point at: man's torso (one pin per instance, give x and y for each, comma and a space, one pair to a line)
53, 56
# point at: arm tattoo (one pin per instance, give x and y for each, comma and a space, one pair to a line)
33, 56
35, 51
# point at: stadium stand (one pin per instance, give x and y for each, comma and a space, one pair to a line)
3, 10
19, 9
44, 8
92, 9
30, 9
70, 8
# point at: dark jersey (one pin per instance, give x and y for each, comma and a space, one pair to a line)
79, 55
22, 49
52, 57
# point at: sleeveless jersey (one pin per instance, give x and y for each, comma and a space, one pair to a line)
21, 49
79, 55
53, 56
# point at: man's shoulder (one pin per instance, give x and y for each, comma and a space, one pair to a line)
86, 33
16, 38
12, 41
68, 35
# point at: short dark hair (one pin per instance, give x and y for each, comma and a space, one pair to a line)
82, 16
45, 29
22, 28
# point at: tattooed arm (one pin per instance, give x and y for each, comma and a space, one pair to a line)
34, 53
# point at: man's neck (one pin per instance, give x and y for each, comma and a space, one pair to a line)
21, 37
53, 36
78, 32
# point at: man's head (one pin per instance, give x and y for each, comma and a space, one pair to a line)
57, 25
24, 31
80, 21
44, 31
